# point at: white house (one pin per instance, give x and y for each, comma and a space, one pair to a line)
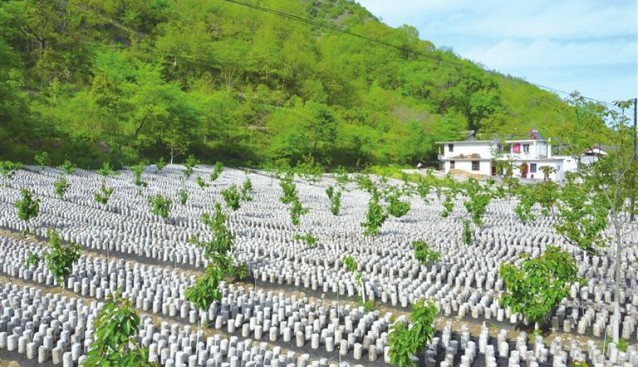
528, 156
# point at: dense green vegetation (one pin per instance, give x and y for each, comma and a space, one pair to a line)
130, 79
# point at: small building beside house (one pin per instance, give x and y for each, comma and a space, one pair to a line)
528, 157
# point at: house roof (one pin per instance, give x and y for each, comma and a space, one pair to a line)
467, 142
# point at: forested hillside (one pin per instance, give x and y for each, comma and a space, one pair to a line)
126, 79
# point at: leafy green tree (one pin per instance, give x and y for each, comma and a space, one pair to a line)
308, 239
365, 183
479, 198
60, 187
375, 217
160, 164
423, 253
296, 210
467, 235
291, 197
536, 287
59, 258
342, 177
68, 167
335, 200
189, 165
547, 171
600, 197
205, 290
137, 170
106, 170
288, 187
8, 169
42, 159
201, 183
452, 190
116, 337
160, 206
28, 207
218, 248
423, 188
396, 207
218, 168
246, 189
103, 195
406, 343
351, 266
219, 251
232, 197
182, 196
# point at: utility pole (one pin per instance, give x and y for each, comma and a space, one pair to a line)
633, 160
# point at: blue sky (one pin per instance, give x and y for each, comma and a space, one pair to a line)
585, 45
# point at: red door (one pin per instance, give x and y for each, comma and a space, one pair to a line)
524, 170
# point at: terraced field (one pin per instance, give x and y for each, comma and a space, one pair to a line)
299, 305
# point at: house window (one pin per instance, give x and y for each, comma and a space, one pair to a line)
476, 166
525, 148
532, 168
450, 148
452, 163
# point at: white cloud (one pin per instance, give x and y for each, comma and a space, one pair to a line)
585, 45
550, 53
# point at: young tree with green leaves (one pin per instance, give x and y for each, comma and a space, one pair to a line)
547, 171
189, 165
59, 258
351, 266
296, 210
291, 197
335, 200
8, 169
479, 197
160, 205
423, 253
407, 344
217, 171
593, 212
308, 239
232, 197
42, 159
201, 183
182, 196
539, 285
103, 195
160, 164
602, 194
246, 190
106, 170
205, 290
28, 207
450, 189
375, 217
288, 187
60, 187
218, 250
138, 170
396, 207
68, 167
115, 340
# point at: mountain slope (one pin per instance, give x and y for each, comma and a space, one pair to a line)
255, 81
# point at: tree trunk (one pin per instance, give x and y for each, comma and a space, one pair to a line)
616, 304
363, 291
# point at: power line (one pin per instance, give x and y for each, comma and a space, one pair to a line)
386, 44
